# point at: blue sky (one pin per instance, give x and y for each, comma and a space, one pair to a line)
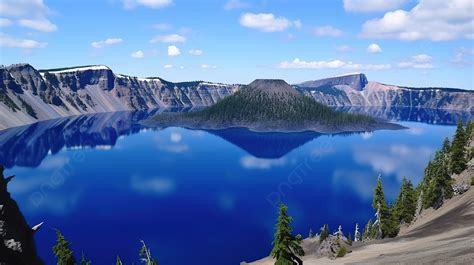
403, 42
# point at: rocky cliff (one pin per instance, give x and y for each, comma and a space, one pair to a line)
17, 246
28, 95
354, 90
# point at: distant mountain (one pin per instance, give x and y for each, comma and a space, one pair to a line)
354, 90
28, 95
271, 105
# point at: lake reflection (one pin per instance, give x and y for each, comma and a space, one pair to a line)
199, 197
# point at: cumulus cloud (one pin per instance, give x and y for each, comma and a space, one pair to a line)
374, 48
236, 4
7, 41
137, 55
420, 61
372, 5
250, 162
266, 22
333, 64
38, 24
436, 20
327, 31
172, 38
24, 8
176, 137
33, 14
152, 185
4, 22
106, 42
195, 52
168, 66
130, 4
207, 66
173, 51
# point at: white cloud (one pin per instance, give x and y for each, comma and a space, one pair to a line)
175, 137
152, 185
173, 51
374, 48
24, 8
168, 66
463, 56
161, 26
250, 162
372, 5
172, 38
4, 22
327, 31
297, 24
107, 42
266, 22
33, 14
38, 24
334, 64
195, 52
436, 20
137, 55
12, 42
236, 4
420, 61
343, 48
130, 4
207, 66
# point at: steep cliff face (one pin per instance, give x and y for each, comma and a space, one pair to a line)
347, 91
17, 246
28, 95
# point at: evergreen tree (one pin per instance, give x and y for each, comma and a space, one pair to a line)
349, 239
286, 247
84, 261
458, 154
367, 234
324, 233
118, 261
405, 205
145, 255
62, 250
385, 224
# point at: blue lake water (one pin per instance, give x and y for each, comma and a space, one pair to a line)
202, 197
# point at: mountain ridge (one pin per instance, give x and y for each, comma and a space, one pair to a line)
28, 95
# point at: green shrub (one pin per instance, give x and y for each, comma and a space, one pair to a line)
472, 181
341, 252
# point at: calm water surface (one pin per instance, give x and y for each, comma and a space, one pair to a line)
200, 197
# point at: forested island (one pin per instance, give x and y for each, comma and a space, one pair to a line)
271, 105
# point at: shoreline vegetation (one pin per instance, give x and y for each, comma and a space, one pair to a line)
437, 187
271, 106
443, 179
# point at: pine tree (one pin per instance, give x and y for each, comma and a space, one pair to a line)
458, 154
145, 255
84, 261
324, 233
63, 251
286, 247
349, 239
118, 261
385, 224
367, 234
405, 205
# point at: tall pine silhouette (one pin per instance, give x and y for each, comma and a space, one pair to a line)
286, 247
